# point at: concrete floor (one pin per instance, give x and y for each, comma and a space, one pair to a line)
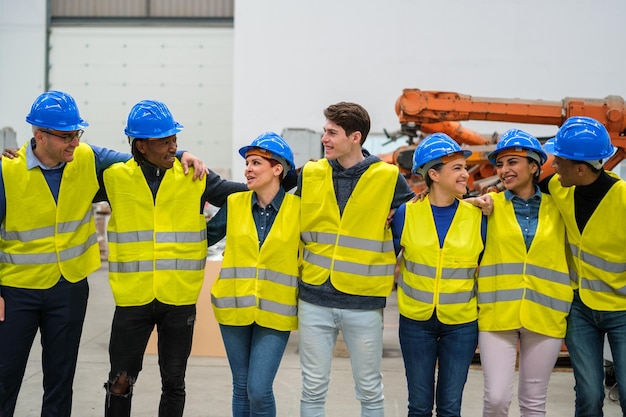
208, 378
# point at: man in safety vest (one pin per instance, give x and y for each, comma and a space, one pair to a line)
48, 246
157, 254
592, 202
349, 258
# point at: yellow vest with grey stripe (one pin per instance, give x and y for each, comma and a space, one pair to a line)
598, 255
43, 239
434, 278
356, 248
157, 248
259, 285
519, 288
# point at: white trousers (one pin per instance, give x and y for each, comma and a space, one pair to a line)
537, 357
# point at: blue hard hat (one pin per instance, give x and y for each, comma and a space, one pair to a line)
430, 151
56, 110
516, 139
581, 139
276, 148
151, 119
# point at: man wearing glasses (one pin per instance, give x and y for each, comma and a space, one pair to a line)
48, 246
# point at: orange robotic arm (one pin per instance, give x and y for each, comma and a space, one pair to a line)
424, 112
417, 109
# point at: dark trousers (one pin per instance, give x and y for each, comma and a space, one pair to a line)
58, 313
130, 333
429, 348
586, 329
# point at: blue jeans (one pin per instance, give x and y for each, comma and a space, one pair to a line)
585, 340
363, 333
58, 313
254, 354
130, 333
430, 343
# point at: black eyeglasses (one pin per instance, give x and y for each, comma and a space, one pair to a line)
66, 138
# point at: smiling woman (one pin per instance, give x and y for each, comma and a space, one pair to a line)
436, 298
255, 296
524, 291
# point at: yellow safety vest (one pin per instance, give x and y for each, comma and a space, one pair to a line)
259, 285
355, 249
43, 239
157, 249
598, 256
434, 278
519, 288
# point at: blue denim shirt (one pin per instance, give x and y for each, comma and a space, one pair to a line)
526, 213
263, 219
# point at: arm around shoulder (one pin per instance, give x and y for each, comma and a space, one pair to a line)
218, 189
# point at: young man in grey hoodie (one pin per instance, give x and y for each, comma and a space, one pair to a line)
349, 260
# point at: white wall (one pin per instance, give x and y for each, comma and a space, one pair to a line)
22, 60
110, 69
293, 58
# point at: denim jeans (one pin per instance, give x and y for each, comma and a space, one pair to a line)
585, 340
363, 333
254, 354
58, 313
130, 333
429, 344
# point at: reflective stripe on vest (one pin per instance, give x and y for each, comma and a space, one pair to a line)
598, 262
159, 264
611, 267
260, 274
602, 264
250, 301
50, 257
426, 271
56, 238
357, 256
159, 237
48, 231
259, 285
439, 279
349, 267
518, 294
234, 302
427, 297
347, 241
518, 268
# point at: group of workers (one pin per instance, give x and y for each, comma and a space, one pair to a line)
538, 267
530, 266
